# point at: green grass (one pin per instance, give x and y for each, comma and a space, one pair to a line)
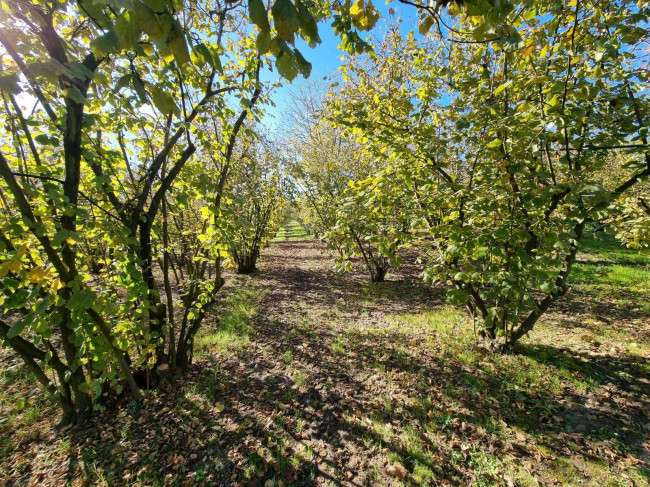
531, 382
337, 347
604, 261
233, 327
292, 230
606, 247
608, 272
6, 446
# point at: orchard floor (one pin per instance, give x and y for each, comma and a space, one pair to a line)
309, 377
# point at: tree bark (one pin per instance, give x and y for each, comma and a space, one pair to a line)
247, 262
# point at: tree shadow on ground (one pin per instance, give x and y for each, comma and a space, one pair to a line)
272, 427
334, 386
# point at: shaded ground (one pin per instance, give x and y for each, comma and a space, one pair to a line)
309, 377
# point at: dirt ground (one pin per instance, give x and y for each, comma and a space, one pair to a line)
326, 379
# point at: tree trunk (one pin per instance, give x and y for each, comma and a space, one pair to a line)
378, 274
72, 159
247, 262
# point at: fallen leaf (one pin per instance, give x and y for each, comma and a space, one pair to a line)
397, 470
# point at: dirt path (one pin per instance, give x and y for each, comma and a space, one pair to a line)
313, 382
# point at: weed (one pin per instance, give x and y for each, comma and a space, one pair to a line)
300, 425
287, 357
299, 379
338, 346
6, 446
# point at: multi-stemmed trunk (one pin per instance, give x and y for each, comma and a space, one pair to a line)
247, 261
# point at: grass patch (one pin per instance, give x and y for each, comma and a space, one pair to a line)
292, 230
337, 347
235, 325
607, 269
6, 446
606, 248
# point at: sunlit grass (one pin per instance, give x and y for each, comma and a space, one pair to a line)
604, 265
234, 326
292, 230
444, 320
337, 347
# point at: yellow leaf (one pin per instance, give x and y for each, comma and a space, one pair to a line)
167, 54
15, 265
356, 9
4, 268
528, 50
22, 250
56, 285
36, 275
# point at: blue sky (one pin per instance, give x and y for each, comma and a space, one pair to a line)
326, 58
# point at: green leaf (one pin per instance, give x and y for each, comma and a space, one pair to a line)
59, 237
16, 300
80, 71
457, 296
126, 30
139, 89
42, 306
202, 54
122, 82
9, 83
216, 61
287, 65
198, 56
19, 325
263, 42
177, 45
164, 101
279, 46
104, 45
308, 25
502, 87
547, 287
81, 300
10, 283
75, 95
257, 13
426, 24
286, 20
494, 143
56, 318
158, 5
461, 276
47, 140
147, 21
304, 66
